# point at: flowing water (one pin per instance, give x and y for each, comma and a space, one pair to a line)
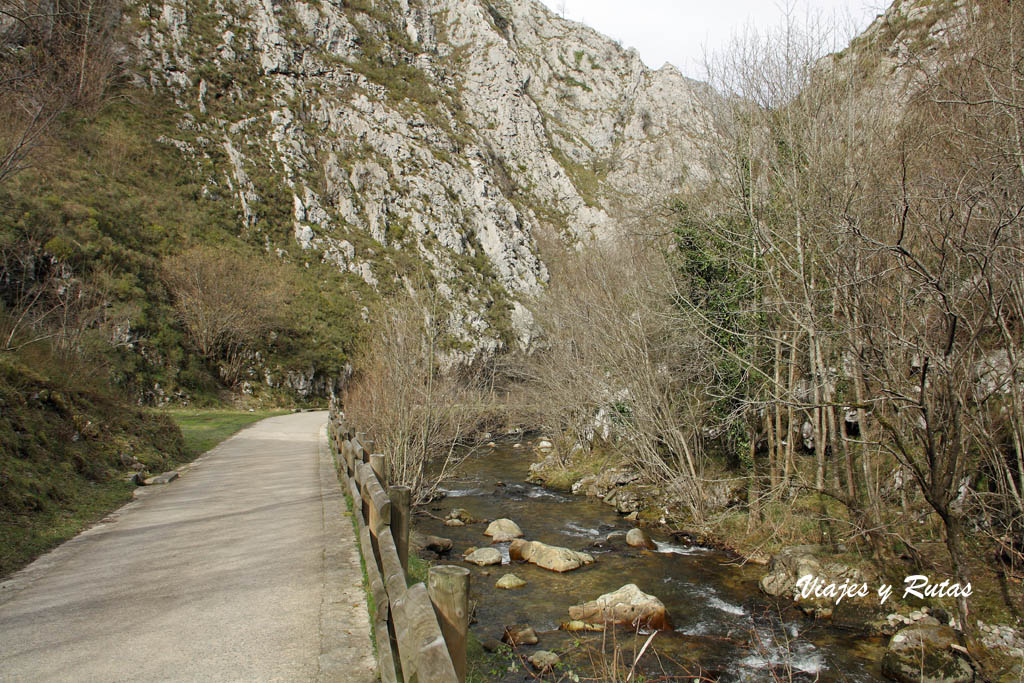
723, 628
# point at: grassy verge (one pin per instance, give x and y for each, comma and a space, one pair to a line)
67, 446
204, 429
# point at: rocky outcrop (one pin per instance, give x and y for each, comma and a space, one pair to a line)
380, 137
628, 605
601, 485
553, 558
790, 564
926, 653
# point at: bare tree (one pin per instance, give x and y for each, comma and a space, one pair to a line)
54, 55
421, 411
228, 303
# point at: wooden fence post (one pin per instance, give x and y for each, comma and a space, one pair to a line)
401, 511
448, 587
377, 463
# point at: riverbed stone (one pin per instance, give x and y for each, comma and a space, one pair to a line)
519, 634
543, 660
510, 582
503, 530
628, 605
551, 557
435, 544
484, 557
921, 653
491, 645
615, 538
638, 538
462, 515
576, 625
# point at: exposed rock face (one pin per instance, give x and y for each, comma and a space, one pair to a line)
547, 556
628, 605
503, 530
442, 132
922, 654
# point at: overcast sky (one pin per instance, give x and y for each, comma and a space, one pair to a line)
675, 31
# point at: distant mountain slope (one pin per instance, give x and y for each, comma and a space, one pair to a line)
428, 139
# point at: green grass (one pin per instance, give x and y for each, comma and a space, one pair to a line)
204, 429
418, 570
67, 445
20, 543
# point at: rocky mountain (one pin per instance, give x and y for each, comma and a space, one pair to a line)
419, 143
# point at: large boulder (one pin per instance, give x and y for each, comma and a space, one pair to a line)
503, 530
922, 653
628, 605
546, 556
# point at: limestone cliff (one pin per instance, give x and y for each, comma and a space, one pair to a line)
419, 142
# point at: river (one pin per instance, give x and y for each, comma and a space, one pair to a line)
723, 627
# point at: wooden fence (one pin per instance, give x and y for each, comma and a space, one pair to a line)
421, 631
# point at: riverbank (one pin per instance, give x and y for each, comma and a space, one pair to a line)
722, 626
812, 533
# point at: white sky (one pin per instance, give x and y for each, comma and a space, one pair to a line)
677, 31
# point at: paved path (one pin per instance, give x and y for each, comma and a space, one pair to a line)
223, 575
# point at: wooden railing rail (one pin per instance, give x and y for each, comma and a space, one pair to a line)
421, 633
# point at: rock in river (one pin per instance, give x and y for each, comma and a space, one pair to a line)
628, 605
484, 557
638, 538
503, 530
922, 654
437, 544
543, 660
548, 556
519, 634
510, 582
